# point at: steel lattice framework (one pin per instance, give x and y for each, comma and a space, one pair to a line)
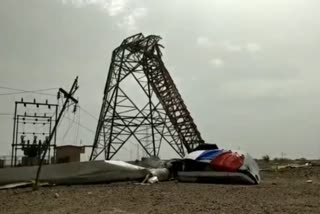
161, 117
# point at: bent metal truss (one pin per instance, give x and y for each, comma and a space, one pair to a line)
155, 116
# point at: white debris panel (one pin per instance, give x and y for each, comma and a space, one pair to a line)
79, 173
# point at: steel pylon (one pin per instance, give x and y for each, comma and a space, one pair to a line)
141, 103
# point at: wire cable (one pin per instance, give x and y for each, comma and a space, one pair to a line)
82, 126
21, 91
88, 113
69, 127
77, 130
6, 114
16, 89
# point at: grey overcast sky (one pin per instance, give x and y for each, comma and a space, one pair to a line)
248, 70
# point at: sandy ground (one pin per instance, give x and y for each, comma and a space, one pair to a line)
280, 192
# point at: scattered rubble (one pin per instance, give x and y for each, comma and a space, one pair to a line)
213, 165
56, 195
309, 181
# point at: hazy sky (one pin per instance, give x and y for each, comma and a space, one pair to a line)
248, 70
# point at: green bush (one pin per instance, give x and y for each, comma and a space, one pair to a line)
266, 158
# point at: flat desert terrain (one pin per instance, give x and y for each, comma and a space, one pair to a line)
285, 191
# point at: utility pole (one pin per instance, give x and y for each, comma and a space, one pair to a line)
68, 96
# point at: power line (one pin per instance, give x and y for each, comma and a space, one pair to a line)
77, 130
1, 113
25, 92
16, 89
6, 114
21, 91
94, 117
77, 123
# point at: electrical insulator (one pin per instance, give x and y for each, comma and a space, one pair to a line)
74, 108
22, 140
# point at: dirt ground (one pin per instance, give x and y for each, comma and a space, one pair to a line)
280, 192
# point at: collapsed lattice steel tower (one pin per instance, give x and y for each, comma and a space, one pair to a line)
161, 117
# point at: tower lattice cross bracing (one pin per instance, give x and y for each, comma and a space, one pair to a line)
141, 103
